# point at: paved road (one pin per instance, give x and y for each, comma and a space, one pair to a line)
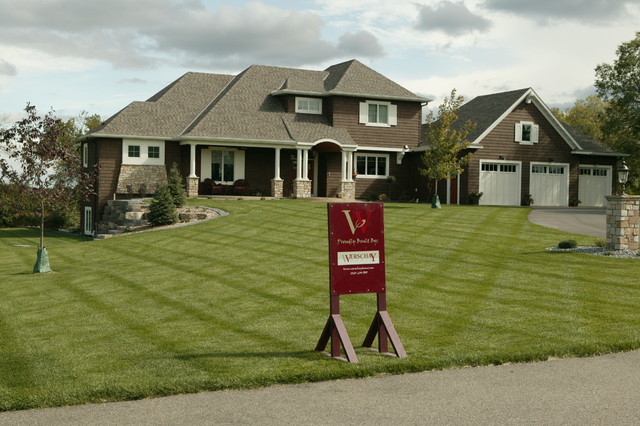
577, 220
598, 390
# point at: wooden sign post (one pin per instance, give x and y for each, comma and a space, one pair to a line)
357, 265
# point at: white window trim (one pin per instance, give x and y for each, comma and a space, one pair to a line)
308, 111
365, 176
392, 114
144, 152
238, 163
535, 130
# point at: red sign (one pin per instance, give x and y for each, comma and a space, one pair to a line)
356, 248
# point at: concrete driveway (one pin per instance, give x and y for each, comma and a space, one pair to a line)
577, 220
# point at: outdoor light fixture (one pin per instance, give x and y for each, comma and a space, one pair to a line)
623, 175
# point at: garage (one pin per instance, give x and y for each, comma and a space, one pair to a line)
594, 184
500, 183
549, 184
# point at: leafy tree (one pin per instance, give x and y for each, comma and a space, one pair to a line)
446, 139
163, 209
42, 169
619, 85
586, 115
176, 188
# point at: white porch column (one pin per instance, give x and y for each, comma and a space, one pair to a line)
350, 166
305, 164
192, 162
299, 164
277, 173
344, 166
192, 179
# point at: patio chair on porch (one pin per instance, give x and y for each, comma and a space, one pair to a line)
240, 187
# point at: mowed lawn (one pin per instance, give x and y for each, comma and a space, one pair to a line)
240, 302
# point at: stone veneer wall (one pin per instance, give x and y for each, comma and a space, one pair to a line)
133, 176
623, 222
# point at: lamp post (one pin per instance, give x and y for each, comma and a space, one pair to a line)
623, 175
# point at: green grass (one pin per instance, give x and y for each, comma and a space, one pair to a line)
240, 302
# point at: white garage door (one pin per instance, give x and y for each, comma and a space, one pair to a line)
549, 184
500, 183
593, 185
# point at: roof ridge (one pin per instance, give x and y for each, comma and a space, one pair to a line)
213, 102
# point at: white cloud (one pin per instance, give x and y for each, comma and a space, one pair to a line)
7, 68
589, 11
451, 18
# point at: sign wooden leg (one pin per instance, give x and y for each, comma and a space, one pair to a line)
384, 329
335, 331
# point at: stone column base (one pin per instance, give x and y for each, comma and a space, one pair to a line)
347, 189
302, 188
277, 188
192, 187
623, 222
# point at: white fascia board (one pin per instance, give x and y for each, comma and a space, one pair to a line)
573, 144
601, 154
373, 148
351, 95
116, 136
502, 117
248, 143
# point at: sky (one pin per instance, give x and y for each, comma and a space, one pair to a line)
100, 55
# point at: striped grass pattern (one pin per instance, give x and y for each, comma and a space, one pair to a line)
240, 301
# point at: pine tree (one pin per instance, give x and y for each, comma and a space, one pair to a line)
163, 209
175, 186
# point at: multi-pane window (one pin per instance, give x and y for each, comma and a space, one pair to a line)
378, 113
222, 165
309, 105
372, 165
504, 168
154, 152
134, 151
526, 133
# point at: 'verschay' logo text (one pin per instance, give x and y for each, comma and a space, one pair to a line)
358, 257
359, 223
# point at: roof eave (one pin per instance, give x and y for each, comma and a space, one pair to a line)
348, 94
600, 154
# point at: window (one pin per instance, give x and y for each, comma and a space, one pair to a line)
222, 169
134, 151
538, 169
556, 170
586, 172
526, 133
508, 168
372, 165
85, 155
309, 105
599, 172
378, 113
488, 167
154, 152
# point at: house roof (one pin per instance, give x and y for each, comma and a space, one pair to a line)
246, 106
488, 111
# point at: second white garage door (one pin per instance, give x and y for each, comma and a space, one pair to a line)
549, 184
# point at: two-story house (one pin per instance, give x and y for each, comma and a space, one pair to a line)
278, 132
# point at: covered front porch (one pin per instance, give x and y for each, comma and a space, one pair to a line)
324, 168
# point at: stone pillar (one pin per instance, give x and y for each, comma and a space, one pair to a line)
623, 222
301, 188
277, 188
192, 187
347, 189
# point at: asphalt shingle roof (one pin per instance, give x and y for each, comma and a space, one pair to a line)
247, 107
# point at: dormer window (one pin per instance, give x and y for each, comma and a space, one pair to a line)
526, 133
309, 105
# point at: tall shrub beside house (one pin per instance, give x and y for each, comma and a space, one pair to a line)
163, 209
445, 143
176, 187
